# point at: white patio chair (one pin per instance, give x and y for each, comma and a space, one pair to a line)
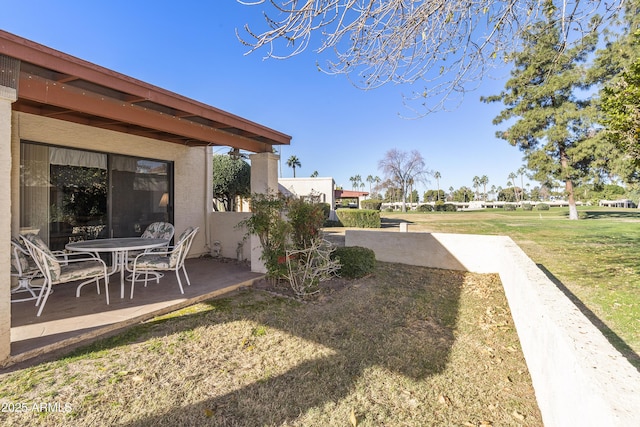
24, 268
155, 230
172, 259
57, 270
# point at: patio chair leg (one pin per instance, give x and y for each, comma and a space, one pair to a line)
42, 293
106, 287
184, 270
179, 281
44, 300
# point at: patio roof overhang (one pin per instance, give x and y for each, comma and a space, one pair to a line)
60, 86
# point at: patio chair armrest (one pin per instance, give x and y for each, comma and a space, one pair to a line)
155, 253
91, 257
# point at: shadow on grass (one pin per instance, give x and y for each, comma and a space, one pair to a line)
407, 329
610, 214
616, 341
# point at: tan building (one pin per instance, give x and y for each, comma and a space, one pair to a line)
92, 153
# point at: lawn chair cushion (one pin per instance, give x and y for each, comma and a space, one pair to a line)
53, 265
19, 261
153, 261
81, 270
159, 230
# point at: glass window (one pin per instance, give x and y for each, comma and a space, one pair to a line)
69, 194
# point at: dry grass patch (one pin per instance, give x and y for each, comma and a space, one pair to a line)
407, 346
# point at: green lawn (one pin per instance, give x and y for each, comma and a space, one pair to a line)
595, 258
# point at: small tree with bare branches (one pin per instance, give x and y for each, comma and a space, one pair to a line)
402, 168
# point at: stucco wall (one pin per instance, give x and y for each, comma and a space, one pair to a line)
224, 230
190, 207
579, 378
306, 186
7, 96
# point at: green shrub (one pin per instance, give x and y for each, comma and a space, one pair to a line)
447, 207
361, 218
355, 261
371, 204
326, 210
305, 219
527, 207
425, 208
509, 207
388, 209
542, 207
272, 230
332, 223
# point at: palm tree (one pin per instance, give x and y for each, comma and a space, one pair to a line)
314, 174
451, 190
521, 172
353, 182
294, 162
377, 180
370, 180
358, 179
484, 180
476, 184
437, 176
512, 181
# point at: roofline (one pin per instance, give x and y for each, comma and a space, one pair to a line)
40, 55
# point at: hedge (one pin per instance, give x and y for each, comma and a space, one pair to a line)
361, 218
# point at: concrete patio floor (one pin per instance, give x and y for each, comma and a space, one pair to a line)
67, 322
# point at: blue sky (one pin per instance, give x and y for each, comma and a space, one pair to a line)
191, 48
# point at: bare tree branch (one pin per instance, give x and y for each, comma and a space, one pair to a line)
445, 45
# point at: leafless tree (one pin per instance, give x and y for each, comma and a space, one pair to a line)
448, 45
402, 168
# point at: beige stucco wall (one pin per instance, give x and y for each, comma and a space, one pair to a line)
224, 230
7, 96
190, 165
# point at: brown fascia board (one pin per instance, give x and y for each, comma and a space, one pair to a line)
43, 91
43, 56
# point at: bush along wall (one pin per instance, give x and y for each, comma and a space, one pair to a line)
361, 218
355, 261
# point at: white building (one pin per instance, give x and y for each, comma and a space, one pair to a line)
321, 188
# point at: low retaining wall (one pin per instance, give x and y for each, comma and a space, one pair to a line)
578, 376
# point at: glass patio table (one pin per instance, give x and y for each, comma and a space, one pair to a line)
119, 247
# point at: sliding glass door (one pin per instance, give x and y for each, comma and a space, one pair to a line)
68, 194
140, 194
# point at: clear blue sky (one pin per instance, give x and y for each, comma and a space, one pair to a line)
190, 48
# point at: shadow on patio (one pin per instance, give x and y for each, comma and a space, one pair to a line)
68, 321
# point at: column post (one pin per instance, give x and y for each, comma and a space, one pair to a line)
264, 180
7, 97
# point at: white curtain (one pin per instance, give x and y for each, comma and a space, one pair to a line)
34, 183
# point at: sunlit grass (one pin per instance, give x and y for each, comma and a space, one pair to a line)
405, 346
596, 258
